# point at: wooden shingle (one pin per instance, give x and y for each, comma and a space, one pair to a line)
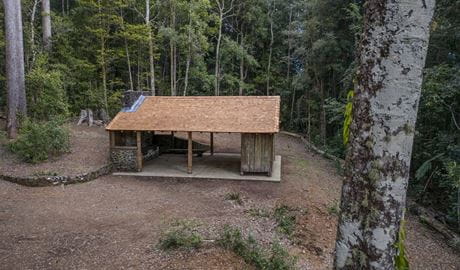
241, 114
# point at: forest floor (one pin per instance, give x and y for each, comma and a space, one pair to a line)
116, 222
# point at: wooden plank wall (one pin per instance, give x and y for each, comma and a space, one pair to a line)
257, 152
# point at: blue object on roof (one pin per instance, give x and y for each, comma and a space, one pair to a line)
135, 106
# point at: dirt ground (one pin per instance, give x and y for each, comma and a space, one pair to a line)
89, 151
115, 222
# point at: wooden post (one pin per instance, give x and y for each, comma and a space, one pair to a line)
212, 143
112, 138
139, 150
189, 153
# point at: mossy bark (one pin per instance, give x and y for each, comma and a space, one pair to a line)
392, 57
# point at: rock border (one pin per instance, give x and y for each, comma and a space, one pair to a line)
44, 181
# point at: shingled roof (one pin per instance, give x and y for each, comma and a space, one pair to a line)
249, 114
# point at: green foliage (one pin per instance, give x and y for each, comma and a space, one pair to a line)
3, 137
334, 209
348, 117
286, 217
252, 253
436, 144
45, 91
181, 235
426, 167
401, 261
38, 141
234, 196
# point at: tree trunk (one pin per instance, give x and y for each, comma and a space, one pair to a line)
240, 90
240, 86
139, 88
172, 47
323, 124
151, 59
288, 75
103, 61
217, 65
270, 15
128, 59
32, 35
14, 54
189, 55
46, 24
131, 83
392, 57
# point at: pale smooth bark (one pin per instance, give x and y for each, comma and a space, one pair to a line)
46, 24
32, 34
14, 53
392, 58
151, 58
270, 16
173, 51
242, 75
103, 60
289, 60
128, 58
189, 54
223, 13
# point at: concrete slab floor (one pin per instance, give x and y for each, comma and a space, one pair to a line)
219, 166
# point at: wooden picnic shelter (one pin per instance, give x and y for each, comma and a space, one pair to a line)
135, 130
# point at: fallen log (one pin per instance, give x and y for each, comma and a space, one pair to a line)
313, 147
428, 218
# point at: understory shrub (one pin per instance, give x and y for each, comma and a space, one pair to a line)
45, 91
38, 141
247, 248
181, 235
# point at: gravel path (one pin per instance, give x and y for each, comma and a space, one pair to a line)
115, 222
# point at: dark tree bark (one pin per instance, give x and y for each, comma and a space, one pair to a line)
14, 51
392, 57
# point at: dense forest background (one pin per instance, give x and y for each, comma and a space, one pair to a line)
302, 50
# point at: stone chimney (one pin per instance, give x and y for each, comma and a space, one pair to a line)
130, 97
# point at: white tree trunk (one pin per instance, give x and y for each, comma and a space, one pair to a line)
14, 51
46, 24
32, 34
173, 57
392, 57
217, 65
151, 59
270, 16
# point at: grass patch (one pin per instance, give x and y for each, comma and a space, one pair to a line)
334, 209
286, 217
3, 137
258, 212
302, 163
251, 252
234, 196
182, 235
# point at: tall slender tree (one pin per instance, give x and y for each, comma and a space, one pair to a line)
46, 24
392, 57
14, 51
224, 11
151, 47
